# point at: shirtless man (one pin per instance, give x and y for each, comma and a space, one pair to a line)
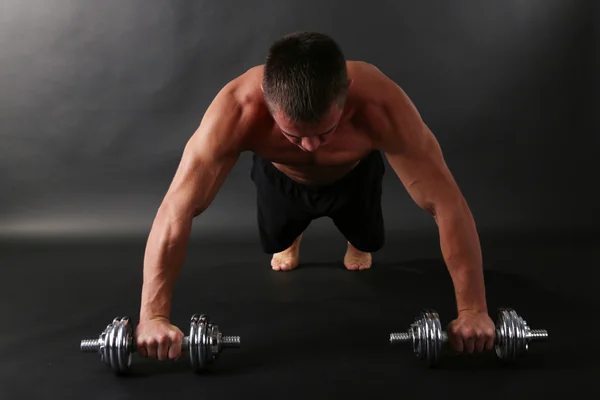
317, 126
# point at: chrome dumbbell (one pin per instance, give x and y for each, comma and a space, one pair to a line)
511, 342
116, 343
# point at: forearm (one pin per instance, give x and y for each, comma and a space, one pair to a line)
461, 250
165, 253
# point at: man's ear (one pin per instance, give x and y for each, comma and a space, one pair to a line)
350, 82
262, 88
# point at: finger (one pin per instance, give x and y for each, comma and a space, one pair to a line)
163, 347
480, 342
151, 348
141, 349
175, 347
139, 345
456, 342
470, 345
459, 346
174, 350
489, 344
468, 341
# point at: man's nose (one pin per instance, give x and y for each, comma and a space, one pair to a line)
311, 143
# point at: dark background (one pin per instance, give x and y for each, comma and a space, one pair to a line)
97, 100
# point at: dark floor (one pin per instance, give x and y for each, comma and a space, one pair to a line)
317, 332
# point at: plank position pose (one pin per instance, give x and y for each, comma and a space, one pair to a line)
317, 126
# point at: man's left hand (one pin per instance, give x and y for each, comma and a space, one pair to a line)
472, 331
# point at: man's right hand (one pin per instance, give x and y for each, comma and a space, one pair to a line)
158, 338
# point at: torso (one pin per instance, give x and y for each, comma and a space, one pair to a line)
350, 143
327, 164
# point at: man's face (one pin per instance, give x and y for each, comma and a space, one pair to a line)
309, 137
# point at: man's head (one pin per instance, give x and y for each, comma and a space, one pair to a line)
305, 84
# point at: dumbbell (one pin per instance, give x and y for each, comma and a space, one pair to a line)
116, 343
511, 341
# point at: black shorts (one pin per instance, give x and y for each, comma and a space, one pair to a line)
285, 207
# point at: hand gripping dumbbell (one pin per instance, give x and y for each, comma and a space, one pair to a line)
116, 343
511, 341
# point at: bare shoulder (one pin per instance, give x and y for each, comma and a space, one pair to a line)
214, 148
384, 110
232, 116
364, 74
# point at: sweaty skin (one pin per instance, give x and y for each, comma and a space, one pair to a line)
376, 115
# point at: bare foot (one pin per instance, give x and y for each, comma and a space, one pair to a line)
356, 260
287, 259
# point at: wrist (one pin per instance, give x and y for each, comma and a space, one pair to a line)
154, 311
473, 310
150, 316
470, 290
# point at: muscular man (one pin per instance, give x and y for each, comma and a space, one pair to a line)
317, 126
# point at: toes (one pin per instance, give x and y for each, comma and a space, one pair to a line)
354, 264
283, 265
279, 266
276, 264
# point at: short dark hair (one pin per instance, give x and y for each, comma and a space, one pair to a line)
304, 74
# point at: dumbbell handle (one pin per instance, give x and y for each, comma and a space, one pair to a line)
532, 335
93, 345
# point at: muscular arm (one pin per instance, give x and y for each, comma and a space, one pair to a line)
207, 159
416, 157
